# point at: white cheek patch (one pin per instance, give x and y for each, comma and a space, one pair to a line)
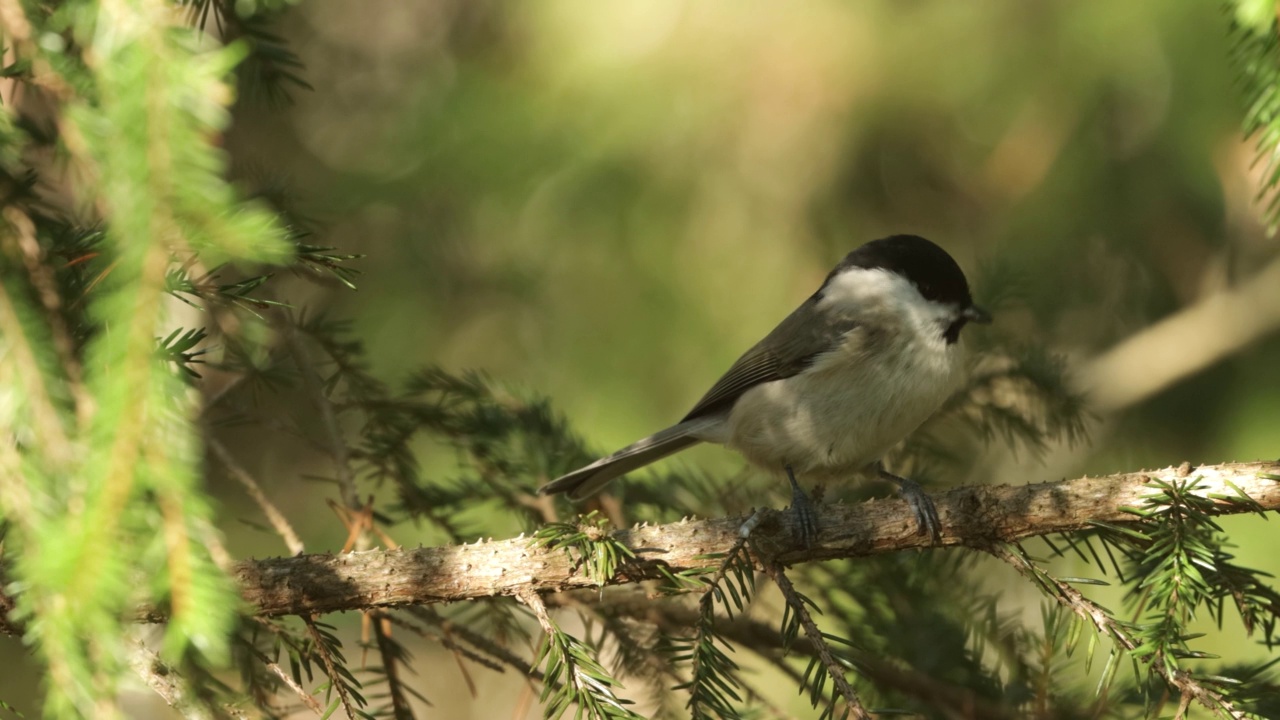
886, 296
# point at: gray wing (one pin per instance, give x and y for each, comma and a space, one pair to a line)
790, 348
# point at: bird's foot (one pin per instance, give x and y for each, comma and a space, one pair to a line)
927, 521
804, 512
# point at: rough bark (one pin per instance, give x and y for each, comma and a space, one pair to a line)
971, 517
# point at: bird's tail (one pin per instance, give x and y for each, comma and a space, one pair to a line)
588, 480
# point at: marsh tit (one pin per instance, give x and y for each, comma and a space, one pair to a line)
851, 372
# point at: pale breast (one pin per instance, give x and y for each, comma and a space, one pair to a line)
848, 409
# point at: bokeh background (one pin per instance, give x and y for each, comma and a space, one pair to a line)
605, 203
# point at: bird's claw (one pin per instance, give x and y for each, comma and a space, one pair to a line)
806, 519
926, 513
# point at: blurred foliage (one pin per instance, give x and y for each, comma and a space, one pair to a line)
574, 198
1257, 58
101, 451
115, 198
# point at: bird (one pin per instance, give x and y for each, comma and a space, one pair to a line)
850, 373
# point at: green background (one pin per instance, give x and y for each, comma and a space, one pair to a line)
606, 203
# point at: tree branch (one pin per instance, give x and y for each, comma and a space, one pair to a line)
1075, 601
165, 680
853, 705
1185, 343
972, 517
251, 486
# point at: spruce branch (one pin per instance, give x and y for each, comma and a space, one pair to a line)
766, 640
589, 543
798, 610
284, 677
972, 517
459, 650
393, 657
329, 648
1255, 33
573, 675
25, 367
19, 238
1124, 635
715, 681
483, 650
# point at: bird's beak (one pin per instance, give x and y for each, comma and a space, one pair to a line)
975, 314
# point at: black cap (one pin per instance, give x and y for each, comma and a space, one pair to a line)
927, 266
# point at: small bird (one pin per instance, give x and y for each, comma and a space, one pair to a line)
862, 363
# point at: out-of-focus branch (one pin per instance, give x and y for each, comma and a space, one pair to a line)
944, 699
971, 516
324, 406
165, 680
1185, 343
7, 605
274, 516
1159, 356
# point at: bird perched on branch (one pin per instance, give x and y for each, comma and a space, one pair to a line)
851, 372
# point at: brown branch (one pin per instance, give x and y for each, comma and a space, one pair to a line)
391, 656
165, 680
307, 698
817, 641
330, 668
1185, 343
974, 517
274, 516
